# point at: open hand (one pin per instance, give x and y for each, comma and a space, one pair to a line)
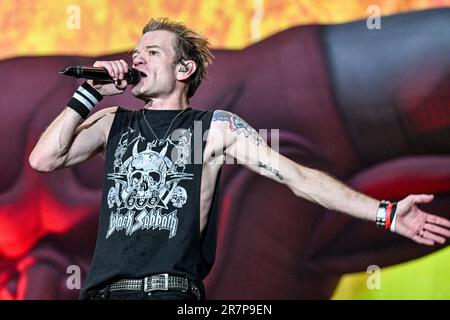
418, 225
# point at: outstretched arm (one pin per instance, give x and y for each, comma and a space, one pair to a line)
243, 143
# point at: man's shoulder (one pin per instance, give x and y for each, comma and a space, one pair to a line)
220, 118
99, 119
108, 111
104, 118
226, 119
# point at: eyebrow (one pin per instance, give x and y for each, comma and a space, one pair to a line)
133, 51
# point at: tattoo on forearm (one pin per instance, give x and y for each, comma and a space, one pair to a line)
238, 125
270, 169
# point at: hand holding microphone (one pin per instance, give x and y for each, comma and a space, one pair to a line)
107, 77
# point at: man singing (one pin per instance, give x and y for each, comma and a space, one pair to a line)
157, 234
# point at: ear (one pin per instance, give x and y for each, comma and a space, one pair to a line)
185, 69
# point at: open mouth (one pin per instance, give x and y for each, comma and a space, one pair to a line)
142, 76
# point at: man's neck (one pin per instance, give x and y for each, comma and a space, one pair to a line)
166, 104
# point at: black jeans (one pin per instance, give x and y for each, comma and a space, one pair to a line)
105, 294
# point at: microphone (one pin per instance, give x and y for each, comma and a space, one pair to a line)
133, 76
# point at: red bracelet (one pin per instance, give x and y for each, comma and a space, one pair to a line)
388, 216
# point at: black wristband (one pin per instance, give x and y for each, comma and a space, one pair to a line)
84, 99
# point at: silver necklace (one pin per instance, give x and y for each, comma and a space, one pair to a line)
161, 141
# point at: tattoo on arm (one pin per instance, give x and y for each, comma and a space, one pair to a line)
270, 169
238, 125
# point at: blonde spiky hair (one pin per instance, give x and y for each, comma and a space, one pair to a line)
188, 45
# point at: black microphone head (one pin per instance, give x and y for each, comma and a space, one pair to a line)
133, 76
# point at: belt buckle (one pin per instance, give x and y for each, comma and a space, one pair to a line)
155, 282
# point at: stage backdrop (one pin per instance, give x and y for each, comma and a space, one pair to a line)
370, 107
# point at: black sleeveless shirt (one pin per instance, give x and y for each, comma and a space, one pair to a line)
150, 212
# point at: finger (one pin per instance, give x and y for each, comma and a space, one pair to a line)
124, 64
98, 63
423, 198
423, 240
116, 70
434, 237
120, 68
436, 229
438, 220
108, 67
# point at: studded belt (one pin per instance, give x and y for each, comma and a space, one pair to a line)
157, 282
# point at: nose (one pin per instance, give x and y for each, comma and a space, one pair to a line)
138, 60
